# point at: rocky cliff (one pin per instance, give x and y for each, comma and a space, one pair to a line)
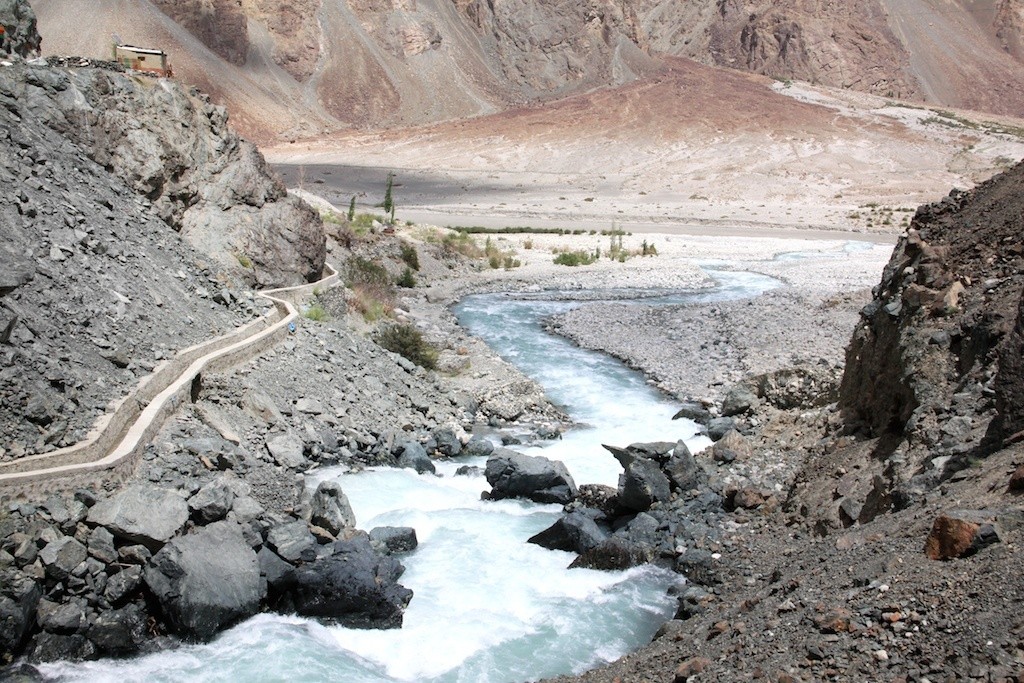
933, 379
136, 224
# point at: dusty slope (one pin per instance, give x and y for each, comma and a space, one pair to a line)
694, 146
291, 69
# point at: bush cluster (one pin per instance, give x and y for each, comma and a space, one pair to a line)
407, 341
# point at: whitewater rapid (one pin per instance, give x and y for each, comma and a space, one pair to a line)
487, 606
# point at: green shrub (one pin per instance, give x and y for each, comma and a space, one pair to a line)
316, 312
461, 243
406, 341
574, 258
410, 256
244, 260
407, 279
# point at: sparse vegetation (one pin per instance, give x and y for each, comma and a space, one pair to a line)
244, 260
461, 243
409, 256
574, 258
373, 293
408, 342
352, 209
389, 203
406, 280
317, 313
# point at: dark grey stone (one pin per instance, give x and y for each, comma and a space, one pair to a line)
293, 541
413, 456
575, 532
394, 539
62, 556
514, 475
142, 513
212, 501
206, 581
331, 509
353, 586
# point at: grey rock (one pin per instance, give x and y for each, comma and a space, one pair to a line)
142, 513
101, 545
730, 447
19, 596
119, 632
575, 532
20, 36
478, 447
51, 647
694, 411
293, 541
447, 443
642, 484
134, 554
740, 399
279, 574
61, 557
718, 427
309, 406
245, 509
286, 450
514, 475
213, 501
206, 581
353, 586
122, 585
68, 617
394, 539
413, 456
331, 509
261, 406
682, 469
615, 553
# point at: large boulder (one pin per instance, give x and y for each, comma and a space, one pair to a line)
287, 451
353, 586
412, 455
514, 475
682, 469
206, 581
642, 484
576, 531
293, 541
62, 556
394, 539
143, 514
331, 509
19, 598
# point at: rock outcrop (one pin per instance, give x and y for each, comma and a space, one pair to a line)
19, 35
154, 218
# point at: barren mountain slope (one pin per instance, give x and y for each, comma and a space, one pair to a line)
294, 69
693, 145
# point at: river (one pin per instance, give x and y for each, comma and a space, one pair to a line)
487, 606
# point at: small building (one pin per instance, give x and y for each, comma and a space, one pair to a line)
142, 59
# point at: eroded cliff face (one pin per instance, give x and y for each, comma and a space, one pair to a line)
934, 378
177, 150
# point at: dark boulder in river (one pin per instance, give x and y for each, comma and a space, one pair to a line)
514, 475
352, 585
206, 581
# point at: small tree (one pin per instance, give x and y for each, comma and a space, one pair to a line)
352, 209
389, 203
